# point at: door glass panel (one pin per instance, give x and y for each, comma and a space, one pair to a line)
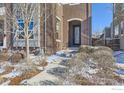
76, 35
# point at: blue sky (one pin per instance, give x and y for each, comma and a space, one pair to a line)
101, 16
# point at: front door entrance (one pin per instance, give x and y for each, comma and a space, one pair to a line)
76, 35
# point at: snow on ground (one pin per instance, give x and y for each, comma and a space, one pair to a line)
6, 83
119, 56
12, 74
118, 52
53, 58
119, 72
4, 64
2, 70
60, 55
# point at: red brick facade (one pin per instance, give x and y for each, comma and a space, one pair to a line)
68, 15
61, 22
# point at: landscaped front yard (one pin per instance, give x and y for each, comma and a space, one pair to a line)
86, 66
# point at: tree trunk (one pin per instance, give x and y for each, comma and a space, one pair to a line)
27, 49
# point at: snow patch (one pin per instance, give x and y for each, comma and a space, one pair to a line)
117, 53
12, 74
53, 58
24, 82
6, 83
2, 70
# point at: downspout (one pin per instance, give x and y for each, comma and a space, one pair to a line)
45, 32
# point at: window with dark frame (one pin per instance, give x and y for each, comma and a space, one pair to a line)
21, 29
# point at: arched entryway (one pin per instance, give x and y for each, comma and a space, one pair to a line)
74, 35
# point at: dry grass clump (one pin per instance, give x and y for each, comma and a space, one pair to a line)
16, 57
82, 55
85, 49
2, 80
17, 80
41, 61
118, 78
104, 49
73, 76
4, 56
105, 61
80, 80
90, 58
75, 62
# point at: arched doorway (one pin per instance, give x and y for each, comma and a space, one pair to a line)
74, 35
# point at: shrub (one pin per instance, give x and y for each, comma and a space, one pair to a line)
85, 49
16, 57
80, 80
4, 56
89, 58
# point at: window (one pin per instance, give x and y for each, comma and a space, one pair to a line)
116, 31
57, 28
1, 5
1, 32
31, 25
57, 25
123, 5
122, 24
21, 28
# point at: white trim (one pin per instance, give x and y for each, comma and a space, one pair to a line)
39, 39
74, 3
5, 33
72, 19
58, 18
59, 4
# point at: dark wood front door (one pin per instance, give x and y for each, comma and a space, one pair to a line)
76, 35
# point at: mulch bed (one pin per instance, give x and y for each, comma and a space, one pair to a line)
17, 80
7, 70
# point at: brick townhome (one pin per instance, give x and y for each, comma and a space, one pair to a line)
70, 26
60, 26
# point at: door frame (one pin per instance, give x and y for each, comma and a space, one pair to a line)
79, 34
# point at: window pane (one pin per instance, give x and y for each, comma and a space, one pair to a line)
32, 36
31, 25
116, 30
21, 24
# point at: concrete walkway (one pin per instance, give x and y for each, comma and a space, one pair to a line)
44, 76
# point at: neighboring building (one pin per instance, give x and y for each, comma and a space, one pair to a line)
60, 26
117, 33
107, 37
97, 38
